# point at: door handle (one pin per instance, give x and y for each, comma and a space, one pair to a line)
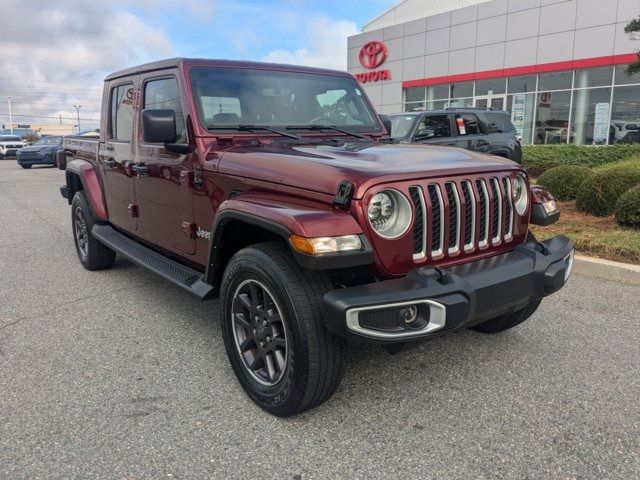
110, 163
140, 169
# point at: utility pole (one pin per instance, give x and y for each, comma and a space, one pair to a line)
10, 118
77, 107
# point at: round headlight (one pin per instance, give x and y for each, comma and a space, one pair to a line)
389, 213
520, 194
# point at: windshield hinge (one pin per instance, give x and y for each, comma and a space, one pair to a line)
342, 199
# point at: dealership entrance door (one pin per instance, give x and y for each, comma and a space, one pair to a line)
491, 101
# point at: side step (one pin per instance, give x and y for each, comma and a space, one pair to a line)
190, 280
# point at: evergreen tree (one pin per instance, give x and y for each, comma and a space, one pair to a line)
633, 30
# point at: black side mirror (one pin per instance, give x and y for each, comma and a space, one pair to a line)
386, 121
159, 126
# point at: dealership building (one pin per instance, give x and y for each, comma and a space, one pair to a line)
557, 66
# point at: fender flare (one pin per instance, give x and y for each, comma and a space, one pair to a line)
86, 172
282, 223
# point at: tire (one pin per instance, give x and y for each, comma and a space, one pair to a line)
509, 320
306, 359
61, 163
92, 254
25, 166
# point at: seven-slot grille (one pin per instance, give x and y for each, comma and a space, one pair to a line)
461, 216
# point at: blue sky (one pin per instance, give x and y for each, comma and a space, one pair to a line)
61, 63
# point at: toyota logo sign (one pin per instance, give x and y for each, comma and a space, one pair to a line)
373, 54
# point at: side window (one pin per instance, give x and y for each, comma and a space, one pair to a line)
500, 122
434, 126
468, 124
122, 98
163, 94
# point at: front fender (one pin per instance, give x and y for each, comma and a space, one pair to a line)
541, 202
90, 183
281, 216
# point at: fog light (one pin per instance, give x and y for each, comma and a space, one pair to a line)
409, 315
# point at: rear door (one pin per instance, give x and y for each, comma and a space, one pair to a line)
164, 191
116, 155
469, 133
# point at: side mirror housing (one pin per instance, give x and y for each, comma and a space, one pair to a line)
386, 121
159, 126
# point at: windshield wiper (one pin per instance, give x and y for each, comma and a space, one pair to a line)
323, 127
249, 128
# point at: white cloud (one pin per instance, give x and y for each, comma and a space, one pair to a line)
327, 44
62, 62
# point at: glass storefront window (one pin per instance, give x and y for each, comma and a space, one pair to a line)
593, 77
555, 81
414, 94
522, 84
461, 102
552, 121
438, 105
625, 118
590, 122
625, 78
464, 89
521, 110
491, 87
438, 92
414, 107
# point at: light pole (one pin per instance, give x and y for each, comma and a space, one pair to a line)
77, 107
10, 119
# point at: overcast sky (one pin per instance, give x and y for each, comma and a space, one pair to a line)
56, 53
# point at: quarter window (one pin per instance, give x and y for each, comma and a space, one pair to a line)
122, 98
468, 124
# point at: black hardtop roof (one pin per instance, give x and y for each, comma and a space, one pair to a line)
449, 110
177, 62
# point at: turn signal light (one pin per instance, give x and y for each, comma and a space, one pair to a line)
320, 245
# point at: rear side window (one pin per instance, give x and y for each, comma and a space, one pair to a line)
499, 122
162, 94
468, 124
122, 98
434, 126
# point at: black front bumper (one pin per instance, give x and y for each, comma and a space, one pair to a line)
450, 298
39, 160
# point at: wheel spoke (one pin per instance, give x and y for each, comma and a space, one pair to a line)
270, 367
245, 301
280, 360
279, 342
245, 344
241, 320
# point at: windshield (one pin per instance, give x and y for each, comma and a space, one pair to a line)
49, 141
9, 138
280, 99
401, 125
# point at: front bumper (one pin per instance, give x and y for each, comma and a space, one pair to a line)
452, 298
36, 160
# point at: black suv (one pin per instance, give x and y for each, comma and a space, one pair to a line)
479, 129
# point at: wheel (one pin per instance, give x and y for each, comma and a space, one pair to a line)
273, 330
25, 166
61, 163
92, 254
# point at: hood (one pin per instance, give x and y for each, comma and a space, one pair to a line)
321, 168
38, 148
12, 142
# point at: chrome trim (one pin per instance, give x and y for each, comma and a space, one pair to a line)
508, 236
425, 217
437, 320
484, 243
456, 248
440, 251
469, 246
496, 240
407, 205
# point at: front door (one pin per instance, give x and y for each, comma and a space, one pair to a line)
497, 102
116, 156
164, 179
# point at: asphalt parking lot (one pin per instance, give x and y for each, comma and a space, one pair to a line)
116, 374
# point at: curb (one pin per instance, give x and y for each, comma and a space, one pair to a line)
606, 269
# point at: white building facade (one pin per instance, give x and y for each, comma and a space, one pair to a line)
558, 66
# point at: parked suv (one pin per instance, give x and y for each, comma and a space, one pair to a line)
9, 145
276, 189
480, 130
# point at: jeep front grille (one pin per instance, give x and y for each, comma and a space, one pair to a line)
461, 216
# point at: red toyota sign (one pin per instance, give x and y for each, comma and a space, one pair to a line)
373, 54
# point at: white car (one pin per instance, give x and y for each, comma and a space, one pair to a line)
9, 145
622, 128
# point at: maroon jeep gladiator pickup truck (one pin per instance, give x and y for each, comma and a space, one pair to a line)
277, 189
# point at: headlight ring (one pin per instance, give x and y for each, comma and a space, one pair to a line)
520, 194
389, 213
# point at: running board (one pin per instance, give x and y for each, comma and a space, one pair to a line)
184, 277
